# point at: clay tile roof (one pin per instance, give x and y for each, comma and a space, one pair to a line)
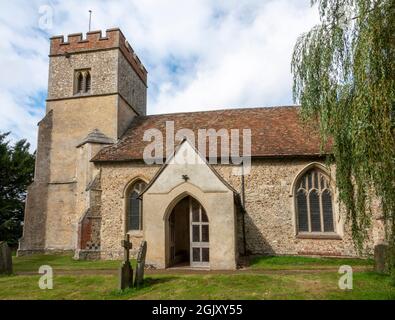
276, 132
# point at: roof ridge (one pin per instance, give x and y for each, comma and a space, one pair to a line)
140, 118
219, 110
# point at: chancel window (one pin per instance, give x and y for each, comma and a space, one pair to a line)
134, 209
313, 200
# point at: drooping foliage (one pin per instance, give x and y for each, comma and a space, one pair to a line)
16, 173
344, 77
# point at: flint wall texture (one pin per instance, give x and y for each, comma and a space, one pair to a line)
116, 178
270, 217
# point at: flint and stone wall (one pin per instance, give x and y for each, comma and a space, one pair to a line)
270, 214
269, 220
115, 179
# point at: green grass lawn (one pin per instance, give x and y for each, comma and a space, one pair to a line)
294, 262
255, 283
60, 262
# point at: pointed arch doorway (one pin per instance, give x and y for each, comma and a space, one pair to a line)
189, 243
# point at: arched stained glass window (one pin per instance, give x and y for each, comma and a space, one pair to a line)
313, 201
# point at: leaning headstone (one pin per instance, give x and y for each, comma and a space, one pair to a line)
139, 278
126, 270
380, 258
5, 259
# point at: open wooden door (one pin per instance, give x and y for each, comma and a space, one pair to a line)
199, 235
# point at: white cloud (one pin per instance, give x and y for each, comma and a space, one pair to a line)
200, 54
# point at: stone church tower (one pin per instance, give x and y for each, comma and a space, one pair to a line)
96, 87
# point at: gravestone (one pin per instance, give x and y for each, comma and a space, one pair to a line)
139, 278
380, 258
126, 270
5, 259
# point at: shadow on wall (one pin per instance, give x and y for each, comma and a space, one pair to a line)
256, 243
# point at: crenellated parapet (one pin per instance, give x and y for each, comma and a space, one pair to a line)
95, 41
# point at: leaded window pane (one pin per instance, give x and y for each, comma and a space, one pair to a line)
315, 214
134, 207
303, 183
302, 212
310, 180
323, 184
315, 179
134, 213
328, 213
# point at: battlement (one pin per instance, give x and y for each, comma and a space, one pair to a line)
94, 41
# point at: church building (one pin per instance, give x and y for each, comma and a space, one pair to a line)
93, 183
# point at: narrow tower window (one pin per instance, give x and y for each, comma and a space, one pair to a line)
87, 82
82, 82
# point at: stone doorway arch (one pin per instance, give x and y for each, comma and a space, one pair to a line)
188, 234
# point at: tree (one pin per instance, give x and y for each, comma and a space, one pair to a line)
344, 77
16, 173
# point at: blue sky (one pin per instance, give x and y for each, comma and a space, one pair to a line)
200, 54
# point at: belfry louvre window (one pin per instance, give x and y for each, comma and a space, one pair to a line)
82, 82
88, 81
134, 216
313, 201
